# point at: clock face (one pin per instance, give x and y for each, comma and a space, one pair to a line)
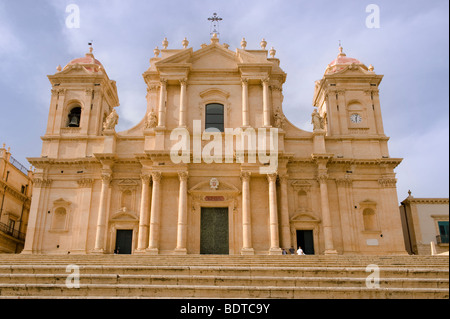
355, 118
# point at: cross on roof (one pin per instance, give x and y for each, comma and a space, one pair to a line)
214, 23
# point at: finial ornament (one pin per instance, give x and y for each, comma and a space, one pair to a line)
58, 68
371, 68
165, 43
272, 52
185, 43
214, 38
263, 44
156, 52
243, 43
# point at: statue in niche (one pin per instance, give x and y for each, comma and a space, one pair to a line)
317, 121
111, 121
151, 121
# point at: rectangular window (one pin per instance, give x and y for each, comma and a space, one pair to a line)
214, 117
443, 231
11, 224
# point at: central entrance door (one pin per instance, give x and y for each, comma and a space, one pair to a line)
124, 240
214, 231
305, 240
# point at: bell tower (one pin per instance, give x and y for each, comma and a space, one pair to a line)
82, 97
347, 100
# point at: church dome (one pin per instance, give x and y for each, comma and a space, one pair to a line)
88, 62
340, 62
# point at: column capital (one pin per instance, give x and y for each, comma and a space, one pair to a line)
283, 178
244, 81
322, 178
42, 182
387, 182
156, 176
145, 178
344, 181
85, 182
183, 81
245, 176
106, 178
272, 177
183, 176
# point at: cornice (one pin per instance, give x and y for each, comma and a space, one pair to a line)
413, 200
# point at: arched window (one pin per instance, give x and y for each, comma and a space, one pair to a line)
74, 117
369, 219
214, 117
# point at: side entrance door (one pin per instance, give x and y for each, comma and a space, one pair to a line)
214, 231
305, 240
124, 240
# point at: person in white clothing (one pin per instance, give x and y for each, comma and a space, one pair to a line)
300, 251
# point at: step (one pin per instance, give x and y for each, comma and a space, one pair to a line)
229, 270
224, 280
190, 291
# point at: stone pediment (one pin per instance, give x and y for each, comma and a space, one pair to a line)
214, 57
74, 69
305, 217
124, 215
205, 187
352, 70
209, 57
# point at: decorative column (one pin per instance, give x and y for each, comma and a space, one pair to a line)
182, 214
348, 228
155, 213
182, 116
273, 215
327, 228
101, 219
377, 111
79, 225
38, 213
143, 214
285, 224
266, 109
245, 121
247, 247
162, 104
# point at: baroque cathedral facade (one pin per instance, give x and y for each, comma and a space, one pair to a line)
214, 167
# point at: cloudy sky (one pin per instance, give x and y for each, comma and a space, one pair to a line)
409, 47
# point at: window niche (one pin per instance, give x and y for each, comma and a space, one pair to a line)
302, 198
368, 211
60, 216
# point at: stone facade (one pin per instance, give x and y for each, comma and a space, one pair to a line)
15, 199
152, 190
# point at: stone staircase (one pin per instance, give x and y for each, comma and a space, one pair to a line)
207, 276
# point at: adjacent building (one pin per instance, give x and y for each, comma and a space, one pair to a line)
425, 221
15, 200
214, 166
